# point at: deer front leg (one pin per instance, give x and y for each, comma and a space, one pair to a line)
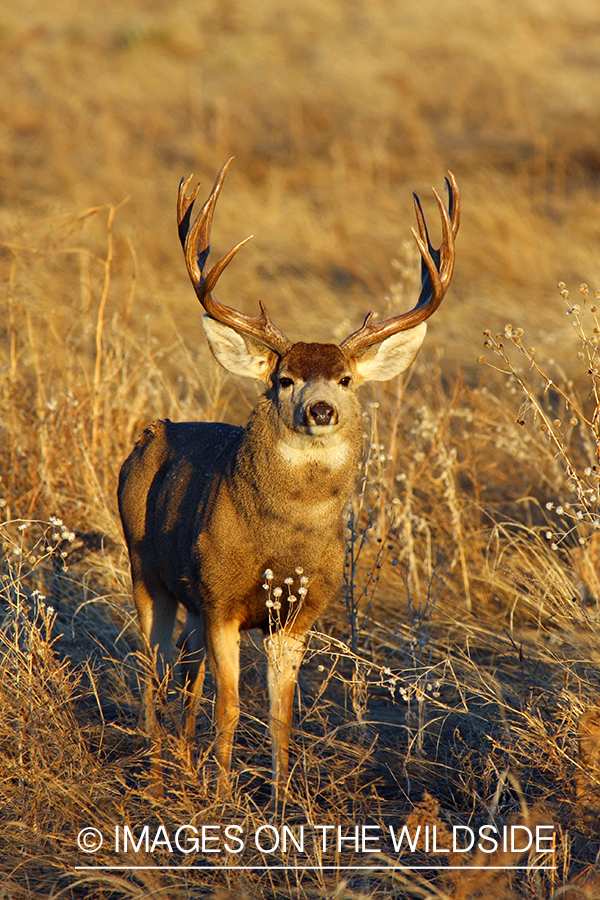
223, 645
284, 656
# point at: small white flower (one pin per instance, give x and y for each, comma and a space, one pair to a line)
269, 604
303, 592
299, 570
268, 574
288, 580
277, 592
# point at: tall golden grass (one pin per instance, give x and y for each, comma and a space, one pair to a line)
457, 680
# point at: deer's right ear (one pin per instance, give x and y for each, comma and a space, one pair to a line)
239, 353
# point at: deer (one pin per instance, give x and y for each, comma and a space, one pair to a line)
213, 512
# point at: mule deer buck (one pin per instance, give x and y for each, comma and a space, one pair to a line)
208, 508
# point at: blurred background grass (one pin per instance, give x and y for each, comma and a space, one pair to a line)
335, 112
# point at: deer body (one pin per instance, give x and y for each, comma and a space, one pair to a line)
208, 508
225, 504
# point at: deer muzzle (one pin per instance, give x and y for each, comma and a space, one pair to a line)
321, 413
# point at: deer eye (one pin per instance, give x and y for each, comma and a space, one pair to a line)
285, 382
345, 381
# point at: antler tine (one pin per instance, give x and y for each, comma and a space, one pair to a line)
436, 271
195, 241
453, 202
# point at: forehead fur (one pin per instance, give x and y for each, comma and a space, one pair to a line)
308, 361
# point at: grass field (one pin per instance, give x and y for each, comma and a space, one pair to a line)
456, 683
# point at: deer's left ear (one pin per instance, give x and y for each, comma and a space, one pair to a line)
389, 357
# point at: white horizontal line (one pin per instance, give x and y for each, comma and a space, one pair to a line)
319, 868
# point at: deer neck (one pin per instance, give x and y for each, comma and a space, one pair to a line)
284, 467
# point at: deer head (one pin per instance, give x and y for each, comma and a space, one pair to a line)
310, 382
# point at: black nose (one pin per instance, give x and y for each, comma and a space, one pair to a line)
320, 413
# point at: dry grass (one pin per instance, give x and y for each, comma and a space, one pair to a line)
457, 680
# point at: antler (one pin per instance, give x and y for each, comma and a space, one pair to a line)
436, 271
196, 248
